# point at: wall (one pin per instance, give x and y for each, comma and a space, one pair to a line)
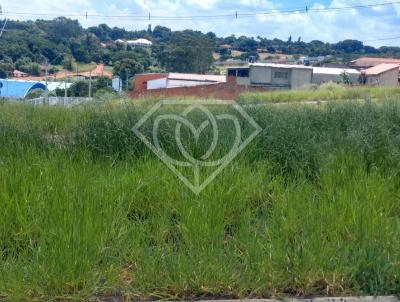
157, 83
172, 83
389, 79
319, 78
140, 80
261, 75
281, 81
223, 91
243, 81
300, 77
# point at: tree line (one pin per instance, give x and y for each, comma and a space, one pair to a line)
27, 44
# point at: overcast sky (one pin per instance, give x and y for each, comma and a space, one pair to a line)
362, 24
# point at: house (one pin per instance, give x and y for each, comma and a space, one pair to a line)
108, 44
325, 74
225, 46
135, 43
139, 43
18, 74
272, 75
241, 74
382, 75
17, 89
368, 62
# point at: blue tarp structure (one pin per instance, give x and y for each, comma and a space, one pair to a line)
18, 89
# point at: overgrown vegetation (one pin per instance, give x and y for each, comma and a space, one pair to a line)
325, 92
64, 43
310, 208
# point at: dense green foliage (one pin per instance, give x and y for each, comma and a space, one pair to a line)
62, 41
310, 208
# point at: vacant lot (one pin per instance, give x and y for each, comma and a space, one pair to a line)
311, 207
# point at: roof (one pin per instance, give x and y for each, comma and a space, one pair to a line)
334, 71
140, 42
287, 66
197, 77
18, 89
18, 72
225, 46
379, 69
372, 61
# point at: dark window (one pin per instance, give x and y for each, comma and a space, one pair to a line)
232, 72
243, 73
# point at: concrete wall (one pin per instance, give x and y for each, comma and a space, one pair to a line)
278, 80
243, 81
389, 78
320, 78
261, 75
223, 91
266, 75
140, 80
157, 83
171, 83
300, 77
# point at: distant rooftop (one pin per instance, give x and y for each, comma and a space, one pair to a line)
276, 65
376, 70
372, 61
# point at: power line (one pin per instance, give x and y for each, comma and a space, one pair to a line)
382, 39
234, 15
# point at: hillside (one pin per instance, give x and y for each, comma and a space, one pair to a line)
64, 42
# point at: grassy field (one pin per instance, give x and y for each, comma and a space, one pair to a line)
311, 207
328, 91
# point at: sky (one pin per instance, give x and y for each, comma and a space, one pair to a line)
380, 22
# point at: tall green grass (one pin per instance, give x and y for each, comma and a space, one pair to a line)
324, 92
310, 208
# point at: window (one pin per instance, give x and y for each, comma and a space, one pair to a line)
281, 75
243, 73
232, 72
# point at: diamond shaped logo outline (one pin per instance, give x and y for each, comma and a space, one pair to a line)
197, 188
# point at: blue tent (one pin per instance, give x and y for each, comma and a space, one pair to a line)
18, 89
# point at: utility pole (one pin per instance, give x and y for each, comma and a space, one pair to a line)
90, 84
65, 91
47, 78
127, 82
3, 28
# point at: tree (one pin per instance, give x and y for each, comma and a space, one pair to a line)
349, 46
69, 63
187, 51
127, 68
345, 79
7, 65
79, 89
3, 74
